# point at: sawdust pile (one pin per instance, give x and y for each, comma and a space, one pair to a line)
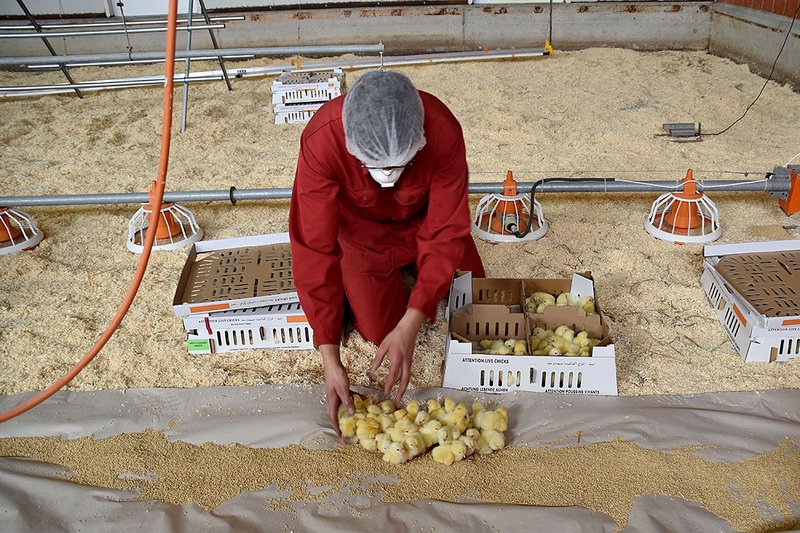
585, 113
210, 474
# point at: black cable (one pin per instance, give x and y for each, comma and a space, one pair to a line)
521, 234
772, 70
121, 6
550, 38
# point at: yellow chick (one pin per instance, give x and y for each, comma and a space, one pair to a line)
581, 339
369, 444
374, 410
560, 330
449, 405
485, 344
387, 407
541, 307
383, 442
459, 450
422, 418
589, 308
347, 425
562, 299
433, 407
386, 421
520, 348
469, 443
396, 454
495, 420
429, 432
447, 434
400, 413
543, 298
481, 446
412, 409
414, 445
494, 439
443, 454
458, 418
554, 351
502, 412
477, 407
585, 351
367, 429
573, 300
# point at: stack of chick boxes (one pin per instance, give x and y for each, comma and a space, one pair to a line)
481, 309
238, 294
296, 96
754, 288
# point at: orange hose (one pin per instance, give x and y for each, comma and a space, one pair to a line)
161, 183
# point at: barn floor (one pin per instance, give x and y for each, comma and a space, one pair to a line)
586, 113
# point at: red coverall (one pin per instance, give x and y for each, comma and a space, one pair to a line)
351, 236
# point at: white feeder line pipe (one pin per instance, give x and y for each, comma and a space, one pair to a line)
12, 27
104, 84
253, 72
134, 62
182, 54
106, 32
235, 195
184, 109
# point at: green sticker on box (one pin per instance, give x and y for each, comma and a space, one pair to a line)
198, 345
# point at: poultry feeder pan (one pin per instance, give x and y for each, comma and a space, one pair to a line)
175, 229
499, 217
684, 216
17, 231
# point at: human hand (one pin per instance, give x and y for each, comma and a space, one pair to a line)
337, 385
399, 346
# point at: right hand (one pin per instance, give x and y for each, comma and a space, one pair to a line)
337, 385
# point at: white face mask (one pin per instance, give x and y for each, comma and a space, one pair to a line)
386, 177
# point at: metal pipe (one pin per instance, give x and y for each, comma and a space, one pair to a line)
134, 62
184, 110
207, 20
112, 84
108, 32
226, 195
274, 51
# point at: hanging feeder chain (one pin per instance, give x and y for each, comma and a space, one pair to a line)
121, 6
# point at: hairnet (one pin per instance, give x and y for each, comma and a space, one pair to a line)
383, 119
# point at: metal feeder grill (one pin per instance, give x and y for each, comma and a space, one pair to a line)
18, 232
177, 228
499, 216
684, 216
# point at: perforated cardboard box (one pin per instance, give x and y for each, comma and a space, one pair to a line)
236, 273
470, 321
283, 326
754, 288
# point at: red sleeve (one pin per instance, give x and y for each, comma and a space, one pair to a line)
313, 231
440, 240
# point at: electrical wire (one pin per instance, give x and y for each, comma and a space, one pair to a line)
141, 267
521, 234
772, 70
792, 159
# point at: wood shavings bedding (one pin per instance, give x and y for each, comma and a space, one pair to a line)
584, 113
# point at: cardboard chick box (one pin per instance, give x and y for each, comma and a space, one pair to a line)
470, 321
754, 288
237, 273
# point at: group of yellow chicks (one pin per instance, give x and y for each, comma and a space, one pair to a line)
402, 434
539, 301
561, 341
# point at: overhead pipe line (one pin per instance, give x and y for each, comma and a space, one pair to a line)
273, 51
234, 195
207, 20
188, 28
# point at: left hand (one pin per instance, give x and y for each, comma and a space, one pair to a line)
399, 346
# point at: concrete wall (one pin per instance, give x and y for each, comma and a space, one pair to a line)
417, 29
754, 36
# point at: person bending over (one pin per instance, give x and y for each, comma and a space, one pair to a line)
381, 185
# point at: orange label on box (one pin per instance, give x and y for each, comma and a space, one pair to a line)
208, 308
791, 322
740, 315
296, 318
